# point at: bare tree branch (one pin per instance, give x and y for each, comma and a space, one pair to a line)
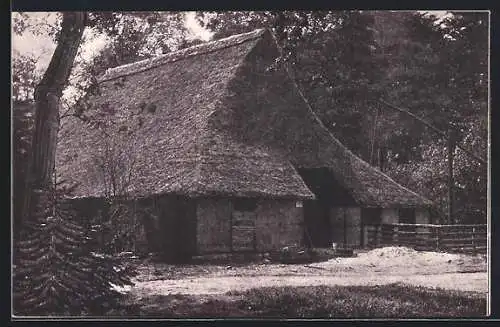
407, 112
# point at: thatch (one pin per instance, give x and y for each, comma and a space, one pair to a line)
224, 124
174, 150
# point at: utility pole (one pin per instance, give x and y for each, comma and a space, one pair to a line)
451, 138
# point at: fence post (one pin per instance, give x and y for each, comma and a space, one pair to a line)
428, 239
438, 228
415, 237
395, 238
421, 237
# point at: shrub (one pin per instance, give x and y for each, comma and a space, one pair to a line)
56, 271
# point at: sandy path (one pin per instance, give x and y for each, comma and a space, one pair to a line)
376, 267
477, 282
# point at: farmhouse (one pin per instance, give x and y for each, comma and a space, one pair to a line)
228, 154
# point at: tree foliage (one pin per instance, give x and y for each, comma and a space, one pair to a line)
346, 60
22, 121
445, 82
24, 77
58, 272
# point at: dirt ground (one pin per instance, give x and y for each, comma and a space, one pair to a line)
377, 267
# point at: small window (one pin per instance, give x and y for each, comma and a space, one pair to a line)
407, 216
244, 204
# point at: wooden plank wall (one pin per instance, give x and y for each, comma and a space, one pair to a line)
279, 223
243, 230
213, 225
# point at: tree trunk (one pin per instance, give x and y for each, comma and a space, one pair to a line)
47, 102
451, 150
382, 156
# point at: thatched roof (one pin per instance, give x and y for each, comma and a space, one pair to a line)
222, 123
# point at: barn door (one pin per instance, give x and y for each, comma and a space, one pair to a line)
243, 225
317, 223
346, 226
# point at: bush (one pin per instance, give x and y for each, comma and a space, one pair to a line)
56, 271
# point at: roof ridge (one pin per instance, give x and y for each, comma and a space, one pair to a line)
150, 63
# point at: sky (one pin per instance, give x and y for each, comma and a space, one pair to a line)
43, 47
193, 25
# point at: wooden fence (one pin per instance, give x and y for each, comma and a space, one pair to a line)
428, 237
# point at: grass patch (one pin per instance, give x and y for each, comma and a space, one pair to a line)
388, 301
187, 306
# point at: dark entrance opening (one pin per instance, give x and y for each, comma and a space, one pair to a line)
407, 216
318, 227
177, 228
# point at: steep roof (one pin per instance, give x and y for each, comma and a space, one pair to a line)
223, 124
174, 151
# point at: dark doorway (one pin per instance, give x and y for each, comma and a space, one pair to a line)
177, 228
185, 229
407, 216
318, 231
316, 216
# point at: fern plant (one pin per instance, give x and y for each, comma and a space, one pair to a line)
58, 272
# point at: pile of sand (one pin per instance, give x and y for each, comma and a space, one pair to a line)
395, 256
